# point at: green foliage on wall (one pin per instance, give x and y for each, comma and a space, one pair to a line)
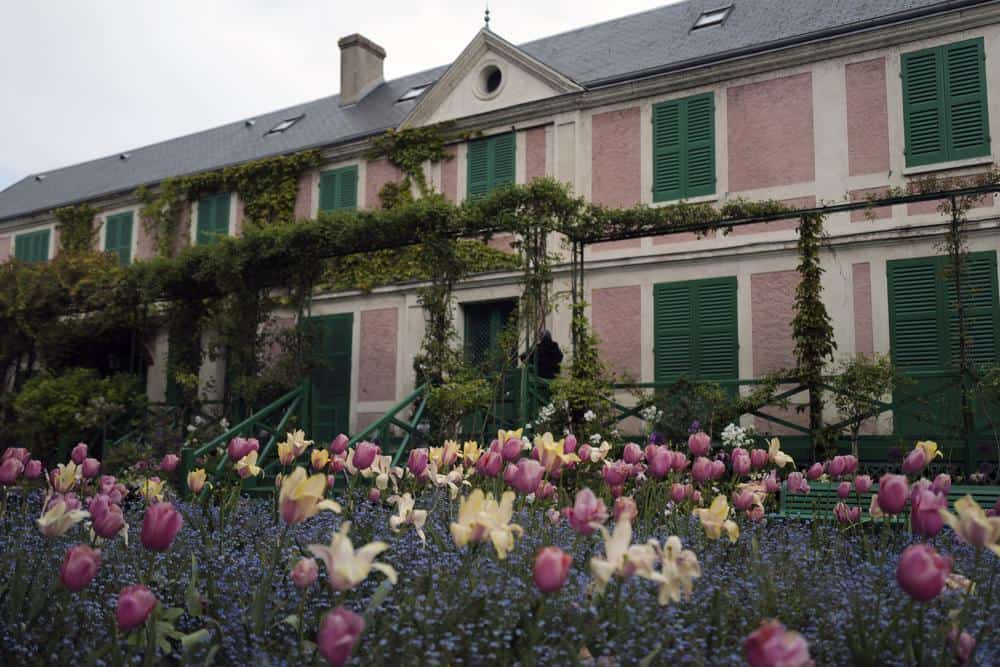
77, 232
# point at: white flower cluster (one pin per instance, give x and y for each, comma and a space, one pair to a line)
735, 436
651, 414
589, 416
546, 413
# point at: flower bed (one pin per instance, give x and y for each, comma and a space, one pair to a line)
651, 566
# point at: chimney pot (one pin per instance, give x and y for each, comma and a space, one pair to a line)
360, 67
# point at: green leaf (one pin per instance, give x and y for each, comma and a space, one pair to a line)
292, 620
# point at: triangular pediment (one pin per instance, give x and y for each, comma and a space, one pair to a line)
491, 73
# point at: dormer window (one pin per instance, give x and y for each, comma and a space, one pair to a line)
285, 124
413, 93
714, 17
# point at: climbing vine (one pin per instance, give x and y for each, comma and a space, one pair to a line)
76, 228
408, 150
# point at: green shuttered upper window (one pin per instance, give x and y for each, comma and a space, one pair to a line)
33, 246
944, 103
213, 218
491, 164
338, 189
118, 236
684, 148
695, 330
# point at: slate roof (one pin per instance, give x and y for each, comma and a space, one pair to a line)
659, 39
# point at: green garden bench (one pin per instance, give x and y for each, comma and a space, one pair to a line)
822, 498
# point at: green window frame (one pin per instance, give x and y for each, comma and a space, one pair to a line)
945, 106
696, 332
213, 218
118, 236
33, 246
338, 189
491, 163
684, 148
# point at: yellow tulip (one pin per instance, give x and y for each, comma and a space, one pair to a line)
776, 456
320, 458
152, 489
296, 441
930, 449
471, 452
406, 514
57, 519
66, 476
973, 525
551, 453
503, 436
286, 453
196, 480
346, 567
715, 519
481, 517
302, 497
247, 466
621, 557
679, 568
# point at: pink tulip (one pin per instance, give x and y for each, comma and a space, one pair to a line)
135, 604
374, 495
758, 458
696, 497
862, 484
71, 501
490, 464
616, 473
843, 490
365, 453
79, 567
305, 572
699, 444
625, 509
814, 472
79, 453
170, 463
160, 526
921, 484
511, 449
509, 472
527, 476
10, 470
892, 492
240, 447
338, 634
632, 453
584, 452
850, 464
339, 444
337, 463
678, 492
718, 469
660, 461
771, 645
495, 446
755, 513
681, 461
587, 513
545, 490
91, 468
569, 444
846, 514
616, 490
33, 469
922, 572
941, 484
771, 483
551, 568
925, 515
106, 518
742, 500
417, 462
702, 470
914, 462
19, 453
797, 483
741, 462
836, 466
963, 643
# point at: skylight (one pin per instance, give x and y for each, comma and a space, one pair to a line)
413, 93
714, 17
284, 125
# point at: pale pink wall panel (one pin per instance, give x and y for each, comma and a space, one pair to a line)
778, 225
145, 241
449, 176
377, 360
681, 237
377, 174
867, 117
535, 151
871, 213
615, 158
616, 313
864, 338
770, 133
624, 244
304, 196
5, 251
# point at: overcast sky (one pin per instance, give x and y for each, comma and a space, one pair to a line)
84, 79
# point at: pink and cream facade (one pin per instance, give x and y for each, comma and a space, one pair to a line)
817, 122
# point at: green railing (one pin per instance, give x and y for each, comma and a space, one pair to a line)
822, 498
411, 429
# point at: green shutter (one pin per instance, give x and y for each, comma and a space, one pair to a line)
338, 189
213, 218
684, 148
491, 164
696, 333
33, 246
916, 324
965, 88
118, 236
944, 103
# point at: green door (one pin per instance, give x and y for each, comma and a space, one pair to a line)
484, 322
330, 382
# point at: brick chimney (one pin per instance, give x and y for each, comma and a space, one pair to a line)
360, 67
